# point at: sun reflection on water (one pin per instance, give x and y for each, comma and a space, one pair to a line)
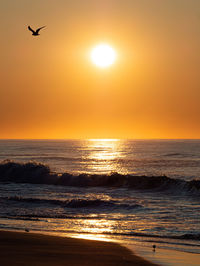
95, 229
97, 226
93, 237
104, 154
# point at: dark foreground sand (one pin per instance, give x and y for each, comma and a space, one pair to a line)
33, 249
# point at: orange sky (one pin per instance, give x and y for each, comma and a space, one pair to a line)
50, 89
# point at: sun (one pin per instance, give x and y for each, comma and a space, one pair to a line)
103, 55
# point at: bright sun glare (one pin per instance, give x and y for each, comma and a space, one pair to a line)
103, 55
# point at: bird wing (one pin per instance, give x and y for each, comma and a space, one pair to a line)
31, 29
37, 31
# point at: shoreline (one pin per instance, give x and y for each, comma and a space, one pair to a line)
168, 257
143, 254
18, 248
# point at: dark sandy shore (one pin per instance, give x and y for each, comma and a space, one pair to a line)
27, 249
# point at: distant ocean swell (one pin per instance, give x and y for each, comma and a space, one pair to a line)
35, 173
162, 162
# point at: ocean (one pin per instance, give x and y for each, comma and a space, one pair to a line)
134, 191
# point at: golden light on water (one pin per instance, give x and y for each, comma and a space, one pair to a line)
99, 237
104, 149
97, 226
103, 55
105, 153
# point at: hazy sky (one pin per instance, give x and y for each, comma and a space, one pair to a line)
50, 89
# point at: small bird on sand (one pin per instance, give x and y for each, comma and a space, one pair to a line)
154, 248
35, 33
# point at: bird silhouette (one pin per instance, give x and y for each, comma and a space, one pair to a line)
35, 33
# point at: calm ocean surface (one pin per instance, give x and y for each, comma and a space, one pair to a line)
92, 200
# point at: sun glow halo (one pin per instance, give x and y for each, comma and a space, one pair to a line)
103, 55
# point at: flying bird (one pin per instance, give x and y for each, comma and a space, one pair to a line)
35, 33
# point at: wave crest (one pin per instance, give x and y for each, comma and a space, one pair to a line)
36, 173
74, 203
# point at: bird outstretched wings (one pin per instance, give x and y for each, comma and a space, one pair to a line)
35, 32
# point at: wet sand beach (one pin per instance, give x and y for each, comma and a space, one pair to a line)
18, 248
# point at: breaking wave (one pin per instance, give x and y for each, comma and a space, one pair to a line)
74, 203
35, 173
